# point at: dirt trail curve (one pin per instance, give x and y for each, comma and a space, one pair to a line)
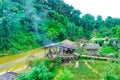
38, 54
92, 68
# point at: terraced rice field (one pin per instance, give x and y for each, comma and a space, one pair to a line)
18, 62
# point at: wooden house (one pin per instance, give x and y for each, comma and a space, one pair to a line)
92, 48
64, 50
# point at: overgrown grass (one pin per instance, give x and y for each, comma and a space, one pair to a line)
105, 67
83, 72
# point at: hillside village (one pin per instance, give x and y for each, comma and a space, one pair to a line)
50, 40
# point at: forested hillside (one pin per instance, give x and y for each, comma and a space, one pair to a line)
25, 24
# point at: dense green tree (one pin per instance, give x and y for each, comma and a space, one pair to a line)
95, 34
99, 22
88, 24
25, 24
109, 22
116, 32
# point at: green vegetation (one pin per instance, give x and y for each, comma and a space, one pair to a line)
116, 31
28, 24
106, 50
65, 74
110, 70
42, 70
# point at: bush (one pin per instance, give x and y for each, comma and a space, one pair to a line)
100, 42
40, 72
47, 62
36, 63
21, 76
110, 77
65, 75
58, 61
1, 54
14, 50
106, 50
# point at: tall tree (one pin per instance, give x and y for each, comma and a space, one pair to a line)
99, 22
116, 32
88, 24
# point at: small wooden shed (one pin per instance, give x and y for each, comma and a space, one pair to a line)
65, 48
92, 48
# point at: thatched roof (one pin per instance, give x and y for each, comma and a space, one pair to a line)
8, 76
68, 44
92, 47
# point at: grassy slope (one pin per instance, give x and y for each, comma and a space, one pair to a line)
19, 65
83, 72
6, 59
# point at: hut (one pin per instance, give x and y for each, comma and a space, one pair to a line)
8, 76
64, 50
67, 44
92, 48
51, 48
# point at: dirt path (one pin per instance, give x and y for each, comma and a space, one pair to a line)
95, 71
19, 63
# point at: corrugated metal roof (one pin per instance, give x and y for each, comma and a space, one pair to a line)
51, 45
66, 44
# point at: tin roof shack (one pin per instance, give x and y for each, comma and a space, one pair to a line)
51, 49
93, 48
8, 76
64, 50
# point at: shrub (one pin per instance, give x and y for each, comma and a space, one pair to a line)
65, 75
100, 42
106, 50
58, 61
21, 76
36, 63
1, 54
40, 72
47, 62
14, 50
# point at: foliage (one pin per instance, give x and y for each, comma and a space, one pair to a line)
100, 42
95, 34
1, 55
88, 24
27, 24
58, 61
106, 50
111, 73
21, 76
36, 63
116, 32
65, 74
48, 63
40, 72
82, 72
